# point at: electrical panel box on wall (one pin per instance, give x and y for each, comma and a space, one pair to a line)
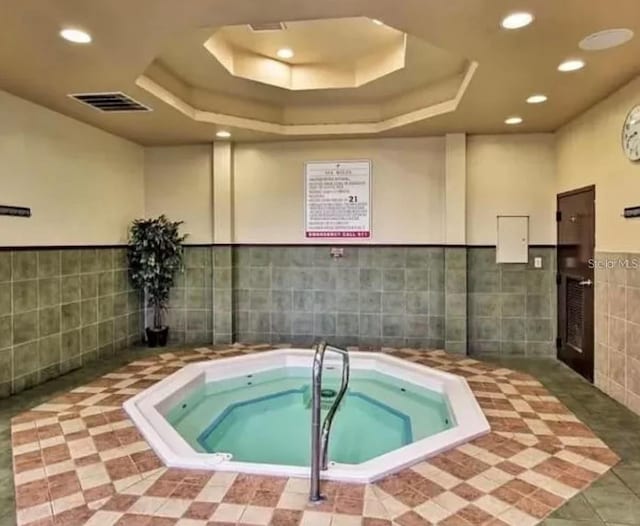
513, 239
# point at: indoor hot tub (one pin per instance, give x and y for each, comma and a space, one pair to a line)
252, 414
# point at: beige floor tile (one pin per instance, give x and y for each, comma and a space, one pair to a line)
316, 518
227, 513
258, 515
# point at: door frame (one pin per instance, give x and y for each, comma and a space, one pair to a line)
580, 191
589, 375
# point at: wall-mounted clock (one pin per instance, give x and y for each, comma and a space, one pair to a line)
631, 135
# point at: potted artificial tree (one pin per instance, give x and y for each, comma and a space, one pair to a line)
155, 255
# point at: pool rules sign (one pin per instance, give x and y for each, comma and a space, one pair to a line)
337, 199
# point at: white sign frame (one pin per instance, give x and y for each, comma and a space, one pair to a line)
357, 234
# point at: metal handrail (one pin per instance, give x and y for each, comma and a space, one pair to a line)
320, 438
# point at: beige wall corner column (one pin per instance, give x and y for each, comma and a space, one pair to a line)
456, 189
455, 257
222, 193
223, 236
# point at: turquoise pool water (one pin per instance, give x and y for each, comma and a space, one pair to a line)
266, 417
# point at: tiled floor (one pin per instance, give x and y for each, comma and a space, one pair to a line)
83, 461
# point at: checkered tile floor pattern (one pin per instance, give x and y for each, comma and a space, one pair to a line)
78, 459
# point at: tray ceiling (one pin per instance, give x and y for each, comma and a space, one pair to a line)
460, 71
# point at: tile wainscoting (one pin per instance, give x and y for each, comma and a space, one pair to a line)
617, 327
371, 296
200, 308
512, 307
61, 309
455, 298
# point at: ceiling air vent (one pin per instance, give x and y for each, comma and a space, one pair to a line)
268, 26
115, 101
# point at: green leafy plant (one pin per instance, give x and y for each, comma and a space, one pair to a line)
155, 256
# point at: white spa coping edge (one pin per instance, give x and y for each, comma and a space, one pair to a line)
146, 410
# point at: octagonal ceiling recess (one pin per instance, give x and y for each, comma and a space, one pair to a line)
345, 53
163, 40
383, 78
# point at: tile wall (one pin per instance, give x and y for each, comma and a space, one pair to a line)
223, 295
189, 316
457, 298
61, 309
456, 327
617, 326
200, 303
389, 296
511, 307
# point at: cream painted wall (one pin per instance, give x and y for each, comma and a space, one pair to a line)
223, 192
84, 185
407, 185
510, 175
177, 183
456, 189
589, 152
258, 192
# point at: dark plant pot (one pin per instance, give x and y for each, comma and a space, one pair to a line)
157, 337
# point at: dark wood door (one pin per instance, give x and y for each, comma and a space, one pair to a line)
576, 244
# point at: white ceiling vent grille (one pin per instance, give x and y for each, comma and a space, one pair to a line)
268, 26
110, 102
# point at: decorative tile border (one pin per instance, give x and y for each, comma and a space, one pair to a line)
78, 460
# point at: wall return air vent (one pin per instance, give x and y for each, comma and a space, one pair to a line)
111, 102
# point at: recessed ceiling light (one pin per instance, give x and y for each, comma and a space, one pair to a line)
537, 99
377, 22
516, 20
223, 134
606, 39
571, 65
285, 52
513, 120
77, 36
